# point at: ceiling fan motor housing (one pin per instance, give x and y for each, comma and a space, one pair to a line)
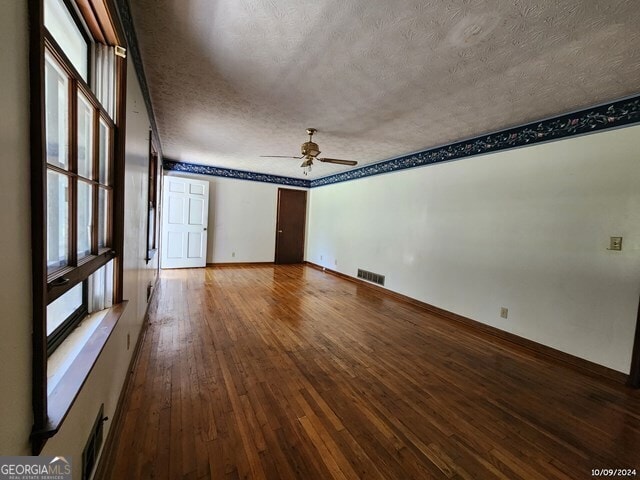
311, 149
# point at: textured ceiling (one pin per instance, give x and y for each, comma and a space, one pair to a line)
231, 80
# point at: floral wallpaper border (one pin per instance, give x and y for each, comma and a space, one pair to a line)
610, 115
175, 166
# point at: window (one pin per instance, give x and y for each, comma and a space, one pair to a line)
79, 137
152, 212
78, 73
64, 29
64, 314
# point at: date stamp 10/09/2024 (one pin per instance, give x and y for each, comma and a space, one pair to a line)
613, 472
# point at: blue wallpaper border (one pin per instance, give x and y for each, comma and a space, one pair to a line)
175, 166
610, 115
614, 114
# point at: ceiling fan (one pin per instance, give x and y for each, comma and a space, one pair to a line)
310, 151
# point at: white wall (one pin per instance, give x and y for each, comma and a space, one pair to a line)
242, 219
106, 380
16, 416
527, 229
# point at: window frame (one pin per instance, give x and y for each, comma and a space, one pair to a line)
83, 32
152, 200
62, 279
50, 411
55, 339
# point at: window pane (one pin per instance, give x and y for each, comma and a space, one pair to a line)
85, 224
85, 137
104, 153
56, 106
57, 220
103, 217
64, 29
59, 310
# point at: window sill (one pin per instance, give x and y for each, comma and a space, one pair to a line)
63, 357
68, 384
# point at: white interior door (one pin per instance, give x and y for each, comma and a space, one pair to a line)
184, 223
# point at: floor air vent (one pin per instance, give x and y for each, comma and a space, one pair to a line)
371, 277
92, 448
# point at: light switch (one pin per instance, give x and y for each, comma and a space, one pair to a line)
615, 243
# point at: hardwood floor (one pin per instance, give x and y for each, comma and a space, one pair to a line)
285, 372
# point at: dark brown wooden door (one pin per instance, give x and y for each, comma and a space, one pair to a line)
290, 225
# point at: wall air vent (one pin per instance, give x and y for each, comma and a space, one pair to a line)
94, 443
371, 277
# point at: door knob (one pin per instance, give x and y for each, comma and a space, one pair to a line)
205, 229
279, 231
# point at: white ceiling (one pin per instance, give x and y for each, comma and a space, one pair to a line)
231, 80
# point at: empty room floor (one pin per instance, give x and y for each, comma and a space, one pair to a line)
284, 372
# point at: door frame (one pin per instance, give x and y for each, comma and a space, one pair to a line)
164, 235
278, 231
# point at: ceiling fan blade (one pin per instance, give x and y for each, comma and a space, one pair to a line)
338, 161
279, 156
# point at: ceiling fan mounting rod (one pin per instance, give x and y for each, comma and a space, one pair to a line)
310, 132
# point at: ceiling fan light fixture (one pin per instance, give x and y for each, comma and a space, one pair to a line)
311, 149
306, 165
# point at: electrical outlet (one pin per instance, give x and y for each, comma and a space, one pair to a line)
320, 257
335, 262
128, 340
233, 254
504, 312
